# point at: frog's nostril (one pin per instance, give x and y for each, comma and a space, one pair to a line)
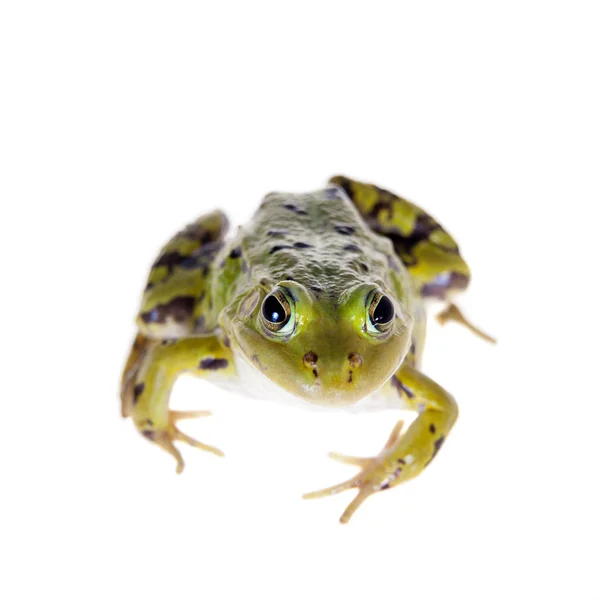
355, 360
310, 362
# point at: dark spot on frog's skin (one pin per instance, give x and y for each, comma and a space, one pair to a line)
345, 229
168, 341
179, 309
147, 433
226, 342
213, 364
444, 283
401, 461
170, 260
310, 359
332, 193
349, 376
364, 267
235, 253
278, 248
316, 288
401, 387
295, 209
436, 448
137, 392
432, 428
404, 244
198, 233
302, 245
413, 348
149, 422
385, 485
201, 324
352, 248
189, 262
355, 360
277, 232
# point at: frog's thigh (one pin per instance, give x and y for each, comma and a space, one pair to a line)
176, 298
162, 363
430, 254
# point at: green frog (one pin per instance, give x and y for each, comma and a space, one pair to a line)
320, 298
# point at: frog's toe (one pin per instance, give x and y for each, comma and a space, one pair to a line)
357, 461
362, 481
453, 313
373, 477
366, 481
330, 491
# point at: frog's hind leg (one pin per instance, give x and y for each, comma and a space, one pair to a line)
430, 254
175, 308
176, 299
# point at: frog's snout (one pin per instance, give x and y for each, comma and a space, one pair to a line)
335, 379
355, 361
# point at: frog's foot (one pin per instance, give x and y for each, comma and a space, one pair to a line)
167, 436
377, 473
452, 313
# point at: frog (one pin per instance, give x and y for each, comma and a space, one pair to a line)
321, 298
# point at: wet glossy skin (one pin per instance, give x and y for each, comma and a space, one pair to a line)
320, 295
328, 354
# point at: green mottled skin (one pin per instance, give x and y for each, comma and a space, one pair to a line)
331, 255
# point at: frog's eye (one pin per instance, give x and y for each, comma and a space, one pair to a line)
381, 313
276, 312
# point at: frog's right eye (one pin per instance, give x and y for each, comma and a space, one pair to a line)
276, 313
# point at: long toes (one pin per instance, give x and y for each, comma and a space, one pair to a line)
180, 415
168, 445
183, 437
334, 489
351, 460
362, 495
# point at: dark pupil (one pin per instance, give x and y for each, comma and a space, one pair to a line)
384, 311
273, 311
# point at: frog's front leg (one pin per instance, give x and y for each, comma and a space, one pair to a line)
150, 375
406, 454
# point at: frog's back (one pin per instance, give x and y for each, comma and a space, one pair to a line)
317, 239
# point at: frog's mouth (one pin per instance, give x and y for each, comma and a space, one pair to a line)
335, 379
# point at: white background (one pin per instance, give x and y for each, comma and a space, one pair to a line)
121, 121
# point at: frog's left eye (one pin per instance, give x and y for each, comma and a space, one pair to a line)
276, 313
381, 313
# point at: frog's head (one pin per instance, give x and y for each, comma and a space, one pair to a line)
327, 351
